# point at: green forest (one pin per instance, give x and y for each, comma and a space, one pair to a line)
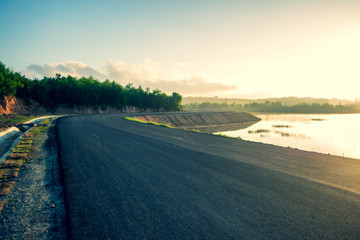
51, 92
275, 107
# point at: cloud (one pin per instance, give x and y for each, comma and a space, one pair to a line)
137, 74
194, 86
76, 69
147, 74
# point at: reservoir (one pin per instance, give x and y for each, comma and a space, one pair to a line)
335, 134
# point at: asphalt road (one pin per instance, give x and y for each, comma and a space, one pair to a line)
126, 180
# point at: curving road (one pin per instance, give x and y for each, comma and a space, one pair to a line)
125, 180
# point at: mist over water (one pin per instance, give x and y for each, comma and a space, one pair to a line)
335, 134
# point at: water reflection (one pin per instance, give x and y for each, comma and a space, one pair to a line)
336, 134
225, 128
259, 131
318, 119
282, 126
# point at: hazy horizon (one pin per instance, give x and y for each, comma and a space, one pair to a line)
243, 49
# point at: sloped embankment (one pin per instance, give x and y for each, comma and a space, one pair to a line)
204, 119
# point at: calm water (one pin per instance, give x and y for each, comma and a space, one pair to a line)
337, 134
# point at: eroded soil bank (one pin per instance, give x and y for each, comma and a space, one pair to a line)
203, 119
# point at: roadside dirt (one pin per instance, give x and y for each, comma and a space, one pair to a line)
11, 104
34, 207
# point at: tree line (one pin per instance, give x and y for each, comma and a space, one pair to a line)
52, 92
275, 107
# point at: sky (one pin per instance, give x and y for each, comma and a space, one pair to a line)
225, 48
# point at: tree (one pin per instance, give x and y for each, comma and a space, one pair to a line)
9, 81
52, 92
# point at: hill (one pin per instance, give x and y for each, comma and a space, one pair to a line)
289, 101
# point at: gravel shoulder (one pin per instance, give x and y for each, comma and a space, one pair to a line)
34, 208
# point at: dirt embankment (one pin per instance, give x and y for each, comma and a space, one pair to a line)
15, 105
10, 104
207, 119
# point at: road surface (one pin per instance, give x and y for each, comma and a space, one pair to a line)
126, 180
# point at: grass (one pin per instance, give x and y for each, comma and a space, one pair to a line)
9, 120
22, 148
10, 168
38, 130
281, 126
317, 119
14, 118
46, 121
259, 131
191, 130
148, 122
227, 136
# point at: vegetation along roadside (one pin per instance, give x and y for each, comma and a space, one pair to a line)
10, 120
148, 122
17, 159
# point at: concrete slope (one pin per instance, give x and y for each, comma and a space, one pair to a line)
200, 119
126, 180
